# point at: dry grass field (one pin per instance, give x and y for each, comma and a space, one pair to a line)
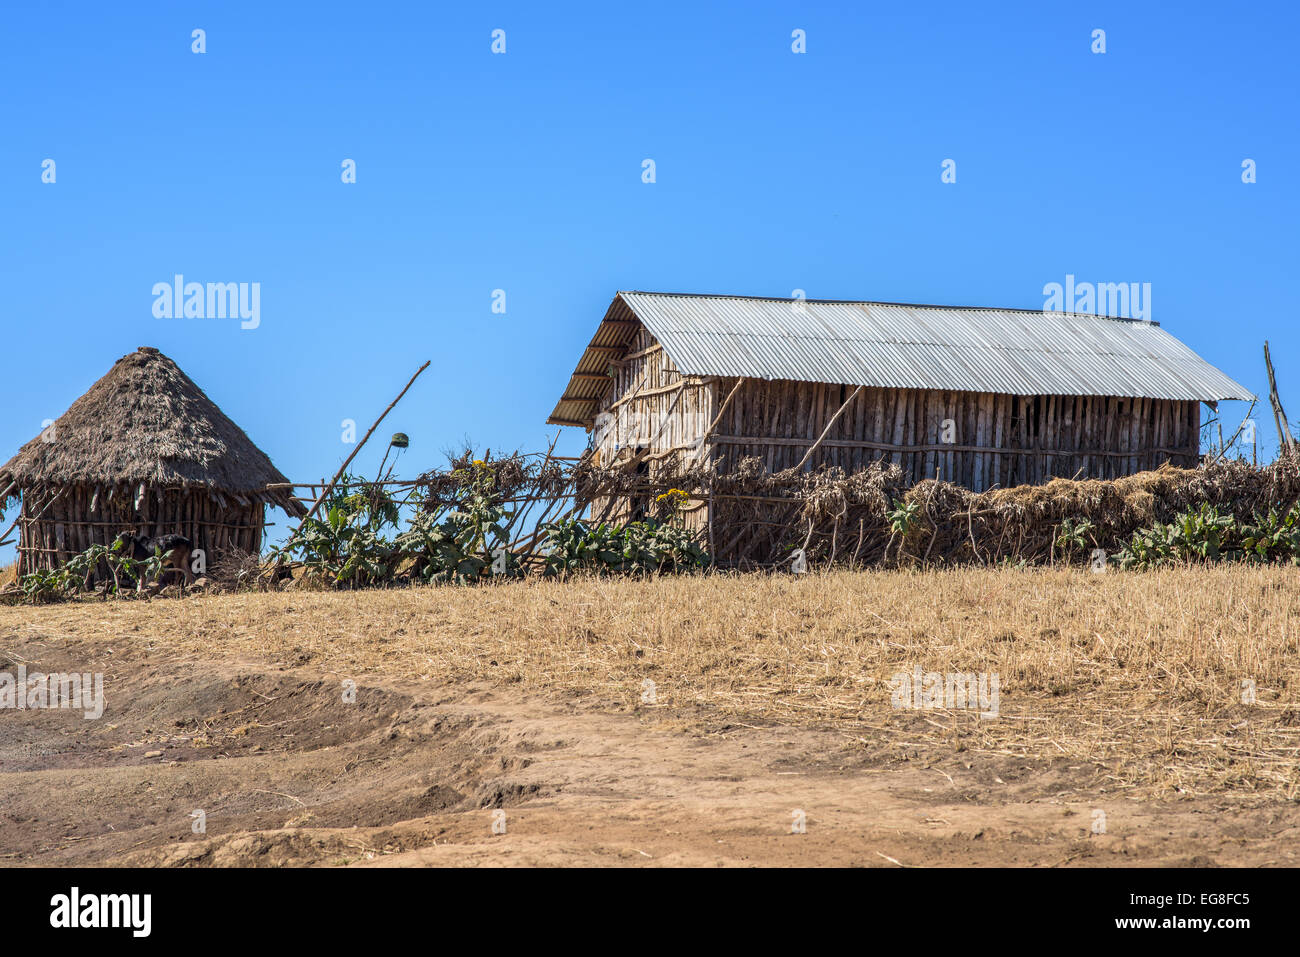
1117, 690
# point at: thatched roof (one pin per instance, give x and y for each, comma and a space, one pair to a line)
146, 422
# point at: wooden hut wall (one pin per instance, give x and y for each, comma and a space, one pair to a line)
650, 405
997, 440
57, 524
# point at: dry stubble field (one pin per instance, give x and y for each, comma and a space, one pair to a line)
1122, 736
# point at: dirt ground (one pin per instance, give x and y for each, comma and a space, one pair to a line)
416, 774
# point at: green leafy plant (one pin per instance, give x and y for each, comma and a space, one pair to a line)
343, 549
900, 518
1074, 536
638, 548
74, 575
471, 541
42, 586
345, 545
464, 541
1207, 535
1273, 537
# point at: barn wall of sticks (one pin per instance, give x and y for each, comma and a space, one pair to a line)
657, 429
56, 523
653, 414
977, 440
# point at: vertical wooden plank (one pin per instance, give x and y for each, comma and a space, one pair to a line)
803, 425
1021, 463
928, 431
821, 414
1069, 443
956, 461
1085, 435
1040, 440
861, 423
1135, 436
916, 412
769, 423
877, 430
1162, 439
1052, 437
953, 461
1143, 435
946, 459
1125, 434
996, 459
1122, 427
1031, 440
1104, 437
898, 399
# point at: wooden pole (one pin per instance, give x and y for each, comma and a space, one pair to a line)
4, 497
344, 467
713, 555
522, 511
57, 495
826, 431
11, 527
1285, 440
721, 410
1223, 449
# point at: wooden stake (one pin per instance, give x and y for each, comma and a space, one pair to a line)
344, 467
1223, 449
1285, 440
11, 527
721, 411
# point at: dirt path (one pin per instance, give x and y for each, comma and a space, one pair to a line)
286, 772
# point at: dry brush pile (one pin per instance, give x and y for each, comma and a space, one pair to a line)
874, 516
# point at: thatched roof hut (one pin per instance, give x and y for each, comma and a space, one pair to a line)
145, 449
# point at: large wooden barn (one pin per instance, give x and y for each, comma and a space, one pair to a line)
979, 397
145, 450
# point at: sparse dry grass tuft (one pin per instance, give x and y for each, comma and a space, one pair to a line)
1137, 677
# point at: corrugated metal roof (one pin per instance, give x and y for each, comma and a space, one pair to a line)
899, 345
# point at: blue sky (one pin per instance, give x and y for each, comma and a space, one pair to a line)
478, 171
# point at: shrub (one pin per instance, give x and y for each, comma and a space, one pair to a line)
465, 540
70, 578
1208, 535
346, 545
1075, 536
638, 548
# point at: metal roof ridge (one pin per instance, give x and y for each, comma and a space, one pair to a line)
881, 302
